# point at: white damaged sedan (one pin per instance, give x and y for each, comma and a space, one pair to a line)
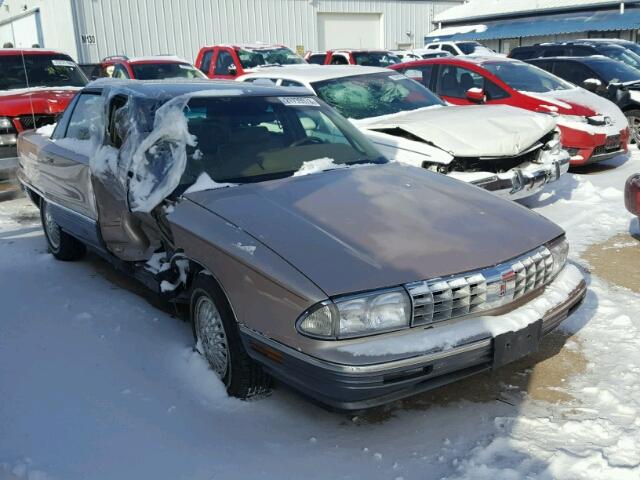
509, 151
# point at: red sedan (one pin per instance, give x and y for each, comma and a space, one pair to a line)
592, 127
632, 194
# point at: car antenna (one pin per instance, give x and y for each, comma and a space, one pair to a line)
26, 77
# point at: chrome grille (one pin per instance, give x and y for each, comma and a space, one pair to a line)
442, 299
36, 121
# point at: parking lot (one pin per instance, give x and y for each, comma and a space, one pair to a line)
107, 384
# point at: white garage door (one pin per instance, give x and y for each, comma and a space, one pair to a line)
22, 31
349, 30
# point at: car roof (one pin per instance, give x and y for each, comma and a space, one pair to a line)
315, 73
30, 51
587, 59
248, 46
163, 89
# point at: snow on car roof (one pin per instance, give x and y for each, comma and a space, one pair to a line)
173, 88
159, 59
314, 73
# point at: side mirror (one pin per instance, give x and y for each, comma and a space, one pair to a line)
476, 95
232, 70
592, 84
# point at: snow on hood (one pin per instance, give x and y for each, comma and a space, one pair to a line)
470, 131
580, 96
418, 225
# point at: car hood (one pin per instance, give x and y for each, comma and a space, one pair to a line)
469, 131
15, 103
573, 101
375, 226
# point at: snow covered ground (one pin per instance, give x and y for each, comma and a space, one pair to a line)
96, 382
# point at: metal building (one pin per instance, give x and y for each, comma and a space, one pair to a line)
504, 24
91, 29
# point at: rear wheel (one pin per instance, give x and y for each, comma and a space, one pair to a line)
633, 117
218, 341
61, 245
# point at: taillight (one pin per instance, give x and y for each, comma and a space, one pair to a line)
632, 194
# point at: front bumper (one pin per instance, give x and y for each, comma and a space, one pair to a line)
357, 385
587, 147
8, 161
522, 181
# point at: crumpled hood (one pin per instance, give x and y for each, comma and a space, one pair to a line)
368, 227
43, 101
470, 131
580, 96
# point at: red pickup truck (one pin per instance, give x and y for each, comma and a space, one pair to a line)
230, 61
35, 86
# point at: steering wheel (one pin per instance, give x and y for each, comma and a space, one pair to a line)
307, 141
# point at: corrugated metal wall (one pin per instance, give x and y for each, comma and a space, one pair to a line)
147, 27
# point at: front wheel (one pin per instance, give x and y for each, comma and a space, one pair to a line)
633, 117
61, 245
218, 340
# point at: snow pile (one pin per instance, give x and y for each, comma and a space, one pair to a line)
316, 166
46, 130
205, 182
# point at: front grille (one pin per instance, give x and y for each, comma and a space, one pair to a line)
36, 121
442, 299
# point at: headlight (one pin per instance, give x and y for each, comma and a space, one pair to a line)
6, 124
358, 315
559, 249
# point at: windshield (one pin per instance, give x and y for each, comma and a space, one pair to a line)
252, 139
41, 71
162, 70
375, 59
622, 55
611, 71
268, 56
469, 48
527, 78
376, 94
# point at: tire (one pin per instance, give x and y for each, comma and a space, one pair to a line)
633, 117
217, 338
61, 245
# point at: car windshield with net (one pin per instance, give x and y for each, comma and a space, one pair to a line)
26, 71
251, 58
374, 95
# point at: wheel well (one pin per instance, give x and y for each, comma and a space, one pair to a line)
196, 269
34, 197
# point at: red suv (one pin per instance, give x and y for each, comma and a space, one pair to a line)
148, 68
592, 128
231, 61
367, 58
35, 86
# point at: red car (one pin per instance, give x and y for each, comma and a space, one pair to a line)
35, 86
231, 61
632, 194
592, 128
148, 68
364, 57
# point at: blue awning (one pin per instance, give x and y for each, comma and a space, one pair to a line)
544, 25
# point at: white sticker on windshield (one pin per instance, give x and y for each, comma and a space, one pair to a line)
185, 67
63, 63
397, 77
299, 101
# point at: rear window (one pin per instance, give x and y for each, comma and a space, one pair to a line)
26, 71
470, 48
160, 71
